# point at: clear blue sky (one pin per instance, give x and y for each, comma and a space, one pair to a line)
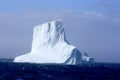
82, 5
21, 5
93, 26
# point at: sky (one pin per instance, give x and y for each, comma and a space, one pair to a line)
93, 26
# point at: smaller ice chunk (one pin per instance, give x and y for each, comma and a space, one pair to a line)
87, 58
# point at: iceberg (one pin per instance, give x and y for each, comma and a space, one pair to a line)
50, 45
87, 59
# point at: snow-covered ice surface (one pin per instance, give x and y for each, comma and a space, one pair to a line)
51, 46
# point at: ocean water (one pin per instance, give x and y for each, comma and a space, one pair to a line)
26, 71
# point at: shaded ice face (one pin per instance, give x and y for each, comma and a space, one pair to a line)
57, 31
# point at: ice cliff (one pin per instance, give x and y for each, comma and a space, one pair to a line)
50, 46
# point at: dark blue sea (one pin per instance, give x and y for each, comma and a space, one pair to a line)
26, 71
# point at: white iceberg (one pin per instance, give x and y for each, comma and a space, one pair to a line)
50, 46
